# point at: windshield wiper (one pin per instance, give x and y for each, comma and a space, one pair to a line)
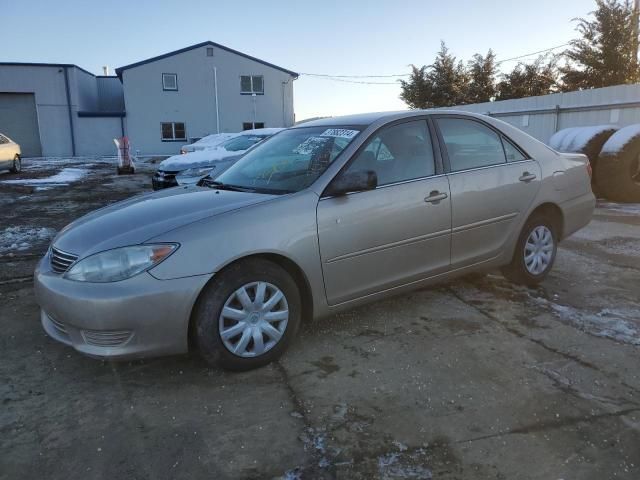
208, 182
225, 186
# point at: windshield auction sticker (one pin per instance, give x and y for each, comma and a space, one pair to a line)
339, 132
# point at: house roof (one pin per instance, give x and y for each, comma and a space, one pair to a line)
32, 64
119, 70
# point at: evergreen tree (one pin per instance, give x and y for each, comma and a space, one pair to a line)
449, 80
443, 84
482, 78
607, 52
416, 91
529, 80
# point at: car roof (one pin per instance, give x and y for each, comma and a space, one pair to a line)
366, 119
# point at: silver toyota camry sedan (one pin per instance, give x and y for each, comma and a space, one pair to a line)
317, 219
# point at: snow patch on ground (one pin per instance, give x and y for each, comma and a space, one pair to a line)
619, 140
614, 323
60, 179
18, 239
626, 208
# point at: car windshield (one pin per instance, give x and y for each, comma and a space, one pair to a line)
289, 161
243, 142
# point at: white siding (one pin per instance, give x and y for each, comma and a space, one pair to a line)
148, 105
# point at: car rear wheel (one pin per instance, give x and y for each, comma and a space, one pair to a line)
17, 164
535, 252
248, 315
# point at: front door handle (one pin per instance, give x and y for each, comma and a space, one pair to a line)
527, 177
435, 197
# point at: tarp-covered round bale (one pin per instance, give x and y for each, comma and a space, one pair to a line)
586, 140
618, 169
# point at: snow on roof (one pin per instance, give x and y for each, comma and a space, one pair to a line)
215, 139
575, 139
621, 138
261, 131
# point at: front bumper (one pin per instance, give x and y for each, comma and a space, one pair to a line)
134, 318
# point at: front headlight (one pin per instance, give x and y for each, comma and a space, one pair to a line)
120, 263
196, 172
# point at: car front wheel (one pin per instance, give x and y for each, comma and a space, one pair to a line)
248, 315
17, 164
534, 254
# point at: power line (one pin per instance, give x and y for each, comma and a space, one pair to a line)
533, 53
356, 76
347, 78
338, 79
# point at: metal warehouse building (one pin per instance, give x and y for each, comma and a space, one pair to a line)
160, 103
60, 109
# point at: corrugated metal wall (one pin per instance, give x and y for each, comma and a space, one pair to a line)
110, 94
542, 116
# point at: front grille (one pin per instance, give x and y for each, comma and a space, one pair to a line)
167, 174
106, 338
61, 261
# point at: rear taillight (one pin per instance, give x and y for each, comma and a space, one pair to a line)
589, 170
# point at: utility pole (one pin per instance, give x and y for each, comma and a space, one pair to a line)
636, 20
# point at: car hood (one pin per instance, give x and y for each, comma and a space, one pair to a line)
201, 158
140, 218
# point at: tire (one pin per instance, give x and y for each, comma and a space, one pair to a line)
209, 319
618, 172
17, 164
520, 270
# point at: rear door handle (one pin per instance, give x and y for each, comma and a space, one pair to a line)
435, 197
527, 177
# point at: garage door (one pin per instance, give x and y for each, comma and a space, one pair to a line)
19, 121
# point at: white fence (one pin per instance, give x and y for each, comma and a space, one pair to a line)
542, 116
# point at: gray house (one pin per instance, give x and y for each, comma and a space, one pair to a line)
202, 89
60, 109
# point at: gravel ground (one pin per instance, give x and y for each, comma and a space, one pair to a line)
476, 378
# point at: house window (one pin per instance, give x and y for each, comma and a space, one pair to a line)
250, 84
252, 125
209, 51
172, 131
170, 81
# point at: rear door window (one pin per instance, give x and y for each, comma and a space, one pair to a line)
470, 144
513, 154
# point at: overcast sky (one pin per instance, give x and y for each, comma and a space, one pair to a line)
330, 37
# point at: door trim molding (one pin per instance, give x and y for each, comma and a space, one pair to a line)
386, 246
482, 223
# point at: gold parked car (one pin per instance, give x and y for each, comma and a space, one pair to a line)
317, 219
9, 155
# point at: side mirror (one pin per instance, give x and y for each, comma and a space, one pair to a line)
353, 182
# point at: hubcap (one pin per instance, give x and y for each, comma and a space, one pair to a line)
17, 164
253, 319
538, 250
